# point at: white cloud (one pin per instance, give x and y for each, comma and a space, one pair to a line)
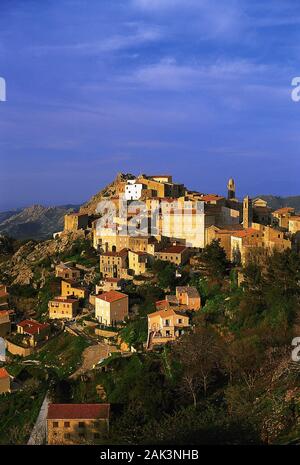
169, 75
166, 4
142, 34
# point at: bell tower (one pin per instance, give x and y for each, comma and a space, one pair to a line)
231, 189
247, 212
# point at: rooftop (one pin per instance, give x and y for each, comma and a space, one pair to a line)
112, 280
174, 249
78, 411
162, 305
138, 252
32, 326
121, 253
111, 296
189, 290
165, 312
4, 312
3, 373
284, 210
245, 232
211, 197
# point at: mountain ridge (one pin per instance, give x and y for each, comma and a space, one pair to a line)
34, 222
276, 201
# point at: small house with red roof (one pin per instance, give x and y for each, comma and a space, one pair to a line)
69, 424
33, 332
177, 254
111, 307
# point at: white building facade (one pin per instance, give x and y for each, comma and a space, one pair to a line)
133, 190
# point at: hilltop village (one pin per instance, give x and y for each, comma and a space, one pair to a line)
133, 278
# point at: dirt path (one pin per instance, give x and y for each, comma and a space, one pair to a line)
93, 355
38, 434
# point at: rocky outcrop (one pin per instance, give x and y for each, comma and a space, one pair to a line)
109, 191
23, 265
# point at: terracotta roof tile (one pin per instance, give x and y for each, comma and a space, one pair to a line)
32, 326
111, 296
284, 210
174, 249
78, 411
3, 373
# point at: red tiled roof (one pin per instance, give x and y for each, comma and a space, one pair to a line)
4, 312
165, 312
111, 296
174, 249
3, 373
78, 411
115, 254
32, 326
284, 210
162, 304
211, 197
245, 232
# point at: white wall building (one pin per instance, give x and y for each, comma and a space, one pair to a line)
133, 191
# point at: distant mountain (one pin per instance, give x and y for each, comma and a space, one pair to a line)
276, 202
5, 215
35, 222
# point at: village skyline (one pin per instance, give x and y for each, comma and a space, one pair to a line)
137, 90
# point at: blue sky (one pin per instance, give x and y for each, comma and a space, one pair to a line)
200, 89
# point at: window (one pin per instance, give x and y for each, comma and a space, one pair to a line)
81, 424
67, 435
66, 424
55, 424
